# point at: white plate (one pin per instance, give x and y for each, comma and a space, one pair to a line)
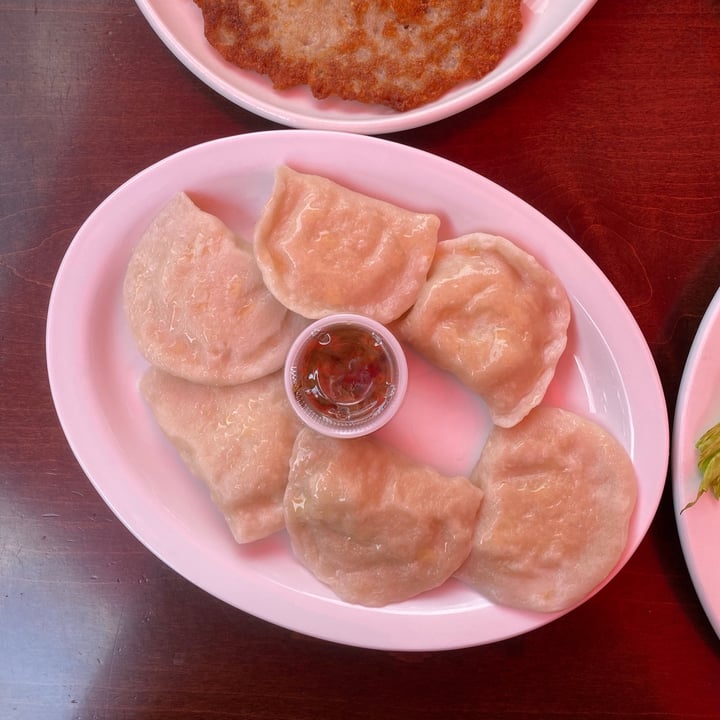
607, 372
698, 408
179, 25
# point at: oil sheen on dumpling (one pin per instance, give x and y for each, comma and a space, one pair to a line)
372, 524
559, 494
196, 303
236, 439
323, 248
495, 318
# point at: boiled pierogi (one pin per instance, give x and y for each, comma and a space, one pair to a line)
374, 525
196, 302
494, 317
323, 248
236, 439
559, 492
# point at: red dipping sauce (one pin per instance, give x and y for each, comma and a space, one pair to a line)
344, 374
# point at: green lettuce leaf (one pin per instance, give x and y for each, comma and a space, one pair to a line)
708, 464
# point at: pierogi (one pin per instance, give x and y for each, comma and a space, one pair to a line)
196, 303
374, 525
494, 317
236, 439
544, 517
559, 492
323, 248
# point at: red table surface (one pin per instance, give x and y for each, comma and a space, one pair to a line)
615, 137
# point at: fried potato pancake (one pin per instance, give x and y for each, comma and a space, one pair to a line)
399, 53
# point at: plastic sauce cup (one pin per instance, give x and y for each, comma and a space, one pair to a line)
346, 375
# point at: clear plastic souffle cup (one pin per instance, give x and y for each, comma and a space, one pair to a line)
346, 375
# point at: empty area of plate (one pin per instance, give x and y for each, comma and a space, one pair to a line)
606, 373
179, 24
698, 409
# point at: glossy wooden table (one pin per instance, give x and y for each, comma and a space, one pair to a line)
615, 137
